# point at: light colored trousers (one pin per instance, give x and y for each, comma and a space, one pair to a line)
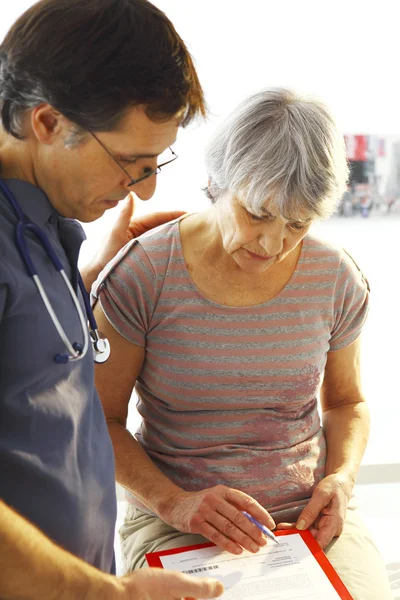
354, 554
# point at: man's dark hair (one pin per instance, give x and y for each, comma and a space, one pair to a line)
92, 60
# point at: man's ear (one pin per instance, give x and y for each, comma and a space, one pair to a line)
47, 123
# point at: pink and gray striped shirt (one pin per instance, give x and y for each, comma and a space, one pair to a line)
229, 395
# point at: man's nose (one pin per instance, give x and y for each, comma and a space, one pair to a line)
144, 189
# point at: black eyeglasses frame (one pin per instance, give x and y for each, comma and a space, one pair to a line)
149, 172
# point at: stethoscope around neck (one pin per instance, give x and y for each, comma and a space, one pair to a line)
76, 350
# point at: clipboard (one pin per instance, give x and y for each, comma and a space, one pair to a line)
154, 559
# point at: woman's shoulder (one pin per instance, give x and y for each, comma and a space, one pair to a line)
159, 236
318, 249
143, 258
153, 245
321, 252
316, 246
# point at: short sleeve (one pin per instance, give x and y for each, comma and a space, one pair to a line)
351, 303
126, 291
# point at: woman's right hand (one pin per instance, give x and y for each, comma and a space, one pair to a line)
217, 514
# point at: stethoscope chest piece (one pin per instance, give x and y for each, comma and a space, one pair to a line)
101, 347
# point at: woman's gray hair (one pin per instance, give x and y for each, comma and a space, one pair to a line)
280, 150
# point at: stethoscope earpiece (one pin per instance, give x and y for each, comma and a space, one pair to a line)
77, 347
61, 359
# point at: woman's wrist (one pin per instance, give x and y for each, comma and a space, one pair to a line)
346, 476
168, 501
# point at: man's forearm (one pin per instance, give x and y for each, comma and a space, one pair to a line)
136, 472
346, 431
32, 566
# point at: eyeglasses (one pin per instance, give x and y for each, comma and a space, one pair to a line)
148, 172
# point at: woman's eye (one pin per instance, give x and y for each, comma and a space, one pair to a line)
297, 226
256, 217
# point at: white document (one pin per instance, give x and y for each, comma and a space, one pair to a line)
287, 571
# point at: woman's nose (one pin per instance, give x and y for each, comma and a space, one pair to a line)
272, 242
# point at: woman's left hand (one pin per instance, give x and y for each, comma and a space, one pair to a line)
325, 513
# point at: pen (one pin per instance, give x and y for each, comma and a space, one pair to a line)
262, 527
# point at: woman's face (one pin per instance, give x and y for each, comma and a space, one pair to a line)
255, 243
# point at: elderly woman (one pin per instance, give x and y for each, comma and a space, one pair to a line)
230, 324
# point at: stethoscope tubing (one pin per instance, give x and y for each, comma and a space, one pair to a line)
76, 353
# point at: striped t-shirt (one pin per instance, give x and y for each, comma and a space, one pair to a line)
228, 395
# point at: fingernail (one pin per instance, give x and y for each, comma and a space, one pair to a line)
254, 548
301, 525
238, 550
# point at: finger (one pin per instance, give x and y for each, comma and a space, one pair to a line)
152, 220
181, 585
237, 519
246, 503
319, 500
234, 531
324, 536
328, 528
219, 539
286, 526
127, 209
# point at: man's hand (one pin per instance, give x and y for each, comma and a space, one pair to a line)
325, 513
125, 229
216, 513
157, 584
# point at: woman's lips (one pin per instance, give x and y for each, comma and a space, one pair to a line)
258, 256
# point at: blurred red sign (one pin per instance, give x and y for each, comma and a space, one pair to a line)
356, 147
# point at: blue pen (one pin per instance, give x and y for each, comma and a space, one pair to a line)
262, 527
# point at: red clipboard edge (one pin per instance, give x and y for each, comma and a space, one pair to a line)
154, 558
323, 562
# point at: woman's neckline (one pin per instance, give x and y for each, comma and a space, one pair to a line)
297, 269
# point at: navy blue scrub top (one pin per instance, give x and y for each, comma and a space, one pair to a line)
56, 458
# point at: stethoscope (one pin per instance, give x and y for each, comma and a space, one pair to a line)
76, 350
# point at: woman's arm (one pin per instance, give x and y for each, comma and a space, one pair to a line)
215, 513
115, 381
345, 419
345, 413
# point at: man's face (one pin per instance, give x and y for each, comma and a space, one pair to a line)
83, 181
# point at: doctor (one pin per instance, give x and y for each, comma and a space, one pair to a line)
91, 97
